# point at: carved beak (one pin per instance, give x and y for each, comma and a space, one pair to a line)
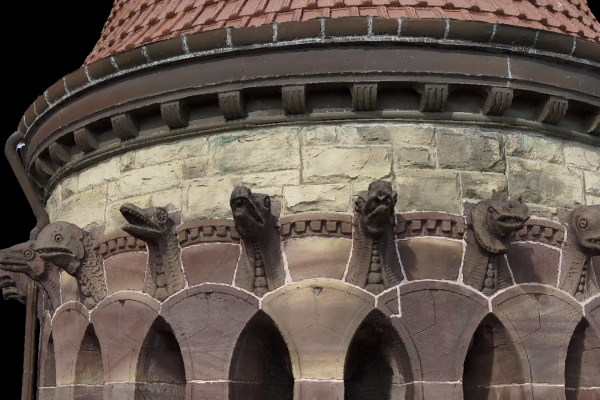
140, 225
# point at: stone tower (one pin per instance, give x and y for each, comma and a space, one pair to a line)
323, 199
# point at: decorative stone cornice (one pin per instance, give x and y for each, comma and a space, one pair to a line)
429, 224
316, 224
207, 230
541, 230
119, 242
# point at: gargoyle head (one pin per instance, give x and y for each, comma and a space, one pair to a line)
22, 258
62, 243
14, 286
146, 224
376, 207
495, 219
250, 211
585, 226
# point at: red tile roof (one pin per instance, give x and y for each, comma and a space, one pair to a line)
134, 22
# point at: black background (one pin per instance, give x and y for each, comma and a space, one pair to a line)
41, 42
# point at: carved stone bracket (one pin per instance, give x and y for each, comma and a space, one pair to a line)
316, 224
593, 124
497, 101
553, 110
539, 230
86, 140
120, 242
45, 168
207, 230
433, 97
430, 224
232, 105
294, 99
125, 126
175, 114
59, 153
364, 96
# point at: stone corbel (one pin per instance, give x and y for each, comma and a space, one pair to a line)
175, 114
433, 97
45, 168
294, 99
364, 96
497, 101
125, 126
85, 139
553, 110
59, 153
593, 124
232, 105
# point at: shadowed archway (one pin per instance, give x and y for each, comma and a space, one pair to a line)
48, 378
582, 366
89, 372
260, 367
160, 373
492, 363
377, 364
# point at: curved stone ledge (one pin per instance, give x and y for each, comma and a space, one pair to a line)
316, 224
543, 231
429, 224
120, 242
207, 230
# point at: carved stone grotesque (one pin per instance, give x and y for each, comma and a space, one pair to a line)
23, 259
261, 267
76, 252
14, 286
492, 223
164, 275
583, 243
374, 264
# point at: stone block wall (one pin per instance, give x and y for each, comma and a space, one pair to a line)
434, 167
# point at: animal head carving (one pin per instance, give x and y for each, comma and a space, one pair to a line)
584, 224
62, 243
376, 207
495, 219
146, 224
24, 259
14, 286
251, 211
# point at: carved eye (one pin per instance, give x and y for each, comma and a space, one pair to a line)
29, 254
583, 223
58, 238
267, 202
162, 216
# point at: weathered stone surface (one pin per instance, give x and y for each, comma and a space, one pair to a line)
46, 393
422, 190
534, 263
185, 149
544, 319
275, 179
207, 390
69, 187
99, 174
412, 135
581, 156
332, 255
441, 319
440, 390
545, 183
547, 392
592, 200
169, 199
125, 271
69, 290
534, 148
119, 391
194, 168
206, 337
331, 165
592, 183
146, 180
210, 262
420, 157
121, 324
53, 203
208, 197
69, 326
254, 151
318, 319
88, 392
313, 390
469, 149
322, 198
86, 209
508, 392
319, 135
479, 186
429, 258
366, 134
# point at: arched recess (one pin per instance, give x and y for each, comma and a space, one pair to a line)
582, 366
494, 365
377, 364
160, 373
261, 367
89, 372
48, 371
